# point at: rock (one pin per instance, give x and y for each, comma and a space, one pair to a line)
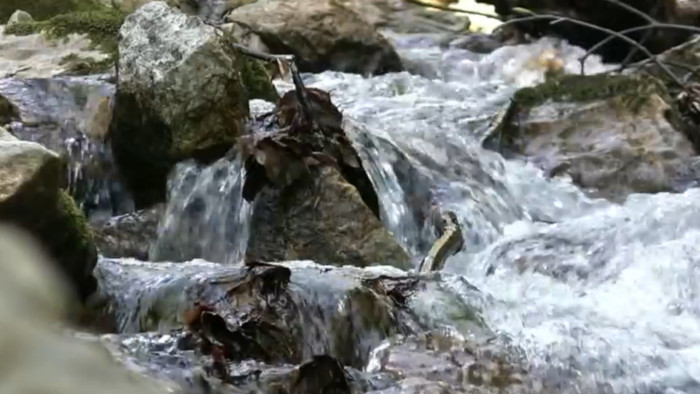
33, 302
31, 198
70, 116
448, 363
212, 10
19, 17
322, 218
180, 94
403, 17
322, 35
274, 313
280, 312
477, 43
607, 15
281, 325
614, 135
129, 235
302, 180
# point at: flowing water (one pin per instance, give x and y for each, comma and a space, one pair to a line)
600, 297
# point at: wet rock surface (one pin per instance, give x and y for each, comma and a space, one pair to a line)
130, 234
179, 95
33, 302
31, 198
615, 135
297, 326
71, 115
323, 218
322, 35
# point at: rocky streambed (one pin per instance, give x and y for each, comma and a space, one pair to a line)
423, 219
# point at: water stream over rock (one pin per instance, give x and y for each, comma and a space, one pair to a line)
599, 297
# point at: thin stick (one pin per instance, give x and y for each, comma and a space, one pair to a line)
450, 9
669, 26
632, 42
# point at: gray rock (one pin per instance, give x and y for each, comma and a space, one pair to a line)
129, 235
19, 17
323, 35
33, 302
322, 218
179, 94
31, 197
614, 135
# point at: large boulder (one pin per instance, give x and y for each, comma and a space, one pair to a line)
31, 198
614, 135
323, 35
180, 94
33, 303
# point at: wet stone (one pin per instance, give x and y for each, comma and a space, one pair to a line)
70, 115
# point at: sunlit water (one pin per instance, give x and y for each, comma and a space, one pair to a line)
601, 297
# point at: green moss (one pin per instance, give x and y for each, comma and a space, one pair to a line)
257, 81
100, 25
44, 9
632, 90
75, 219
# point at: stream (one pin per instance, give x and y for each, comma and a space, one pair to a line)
598, 297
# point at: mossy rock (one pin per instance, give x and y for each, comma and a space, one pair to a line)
44, 9
635, 90
100, 24
257, 80
30, 197
613, 135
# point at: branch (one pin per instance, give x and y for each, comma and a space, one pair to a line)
558, 19
450, 9
655, 25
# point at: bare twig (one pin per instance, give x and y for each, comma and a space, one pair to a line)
450, 9
669, 26
559, 19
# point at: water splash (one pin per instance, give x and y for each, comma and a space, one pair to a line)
207, 216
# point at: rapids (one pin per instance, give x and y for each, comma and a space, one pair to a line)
599, 297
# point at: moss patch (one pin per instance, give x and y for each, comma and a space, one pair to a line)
256, 80
44, 9
101, 26
633, 90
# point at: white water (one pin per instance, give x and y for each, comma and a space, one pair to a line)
605, 299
